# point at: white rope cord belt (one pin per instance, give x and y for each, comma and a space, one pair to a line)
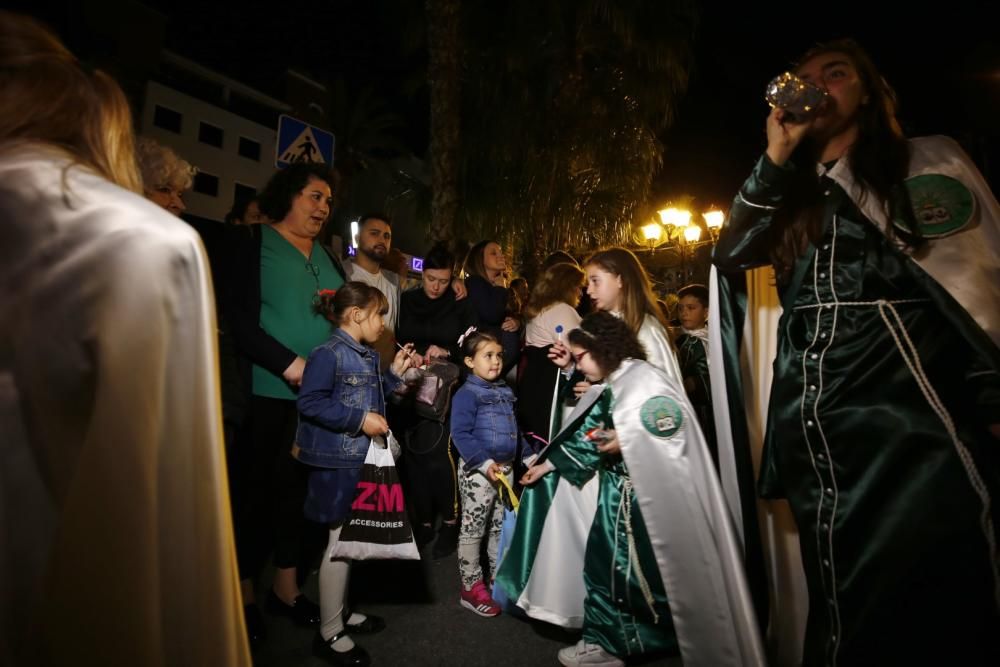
912, 360
909, 353
633, 555
872, 304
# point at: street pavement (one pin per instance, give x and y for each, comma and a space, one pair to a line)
426, 626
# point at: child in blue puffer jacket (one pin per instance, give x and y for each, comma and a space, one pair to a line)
485, 432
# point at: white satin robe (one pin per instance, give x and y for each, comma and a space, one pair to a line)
116, 543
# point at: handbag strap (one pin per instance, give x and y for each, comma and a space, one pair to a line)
531, 435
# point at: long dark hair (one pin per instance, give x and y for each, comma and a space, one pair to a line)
475, 265
879, 160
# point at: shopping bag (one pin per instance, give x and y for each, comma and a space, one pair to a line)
378, 526
506, 494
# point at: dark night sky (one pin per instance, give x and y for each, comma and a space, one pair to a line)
943, 63
943, 60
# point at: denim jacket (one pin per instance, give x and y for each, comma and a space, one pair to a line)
483, 425
340, 385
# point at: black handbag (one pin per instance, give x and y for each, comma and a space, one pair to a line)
433, 393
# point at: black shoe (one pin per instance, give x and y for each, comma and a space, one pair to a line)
356, 657
255, 623
369, 626
447, 540
303, 612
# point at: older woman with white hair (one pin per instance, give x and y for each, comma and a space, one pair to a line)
165, 175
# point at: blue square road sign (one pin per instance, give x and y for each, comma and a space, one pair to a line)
301, 142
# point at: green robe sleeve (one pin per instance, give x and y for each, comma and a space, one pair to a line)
745, 237
694, 369
575, 457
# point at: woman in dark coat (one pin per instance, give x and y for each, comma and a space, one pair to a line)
485, 280
432, 318
277, 272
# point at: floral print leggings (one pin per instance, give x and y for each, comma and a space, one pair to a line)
481, 511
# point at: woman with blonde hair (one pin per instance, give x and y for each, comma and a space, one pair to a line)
118, 544
60, 105
616, 282
550, 314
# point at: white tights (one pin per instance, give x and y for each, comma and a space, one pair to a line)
333, 578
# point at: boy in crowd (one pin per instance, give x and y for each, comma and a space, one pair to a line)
692, 353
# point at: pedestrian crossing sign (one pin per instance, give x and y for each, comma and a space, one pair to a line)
301, 142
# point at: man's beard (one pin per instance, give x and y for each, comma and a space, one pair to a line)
374, 254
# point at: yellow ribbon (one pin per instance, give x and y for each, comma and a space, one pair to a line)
505, 484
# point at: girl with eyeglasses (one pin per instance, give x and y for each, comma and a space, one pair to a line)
659, 541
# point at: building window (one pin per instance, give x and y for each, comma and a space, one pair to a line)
206, 184
210, 134
167, 119
249, 149
243, 193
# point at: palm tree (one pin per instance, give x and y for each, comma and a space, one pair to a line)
563, 106
444, 52
367, 135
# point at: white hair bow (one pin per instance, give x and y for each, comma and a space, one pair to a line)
468, 332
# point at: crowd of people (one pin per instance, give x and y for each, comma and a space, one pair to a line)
179, 410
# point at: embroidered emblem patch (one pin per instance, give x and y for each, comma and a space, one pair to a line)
661, 416
942, 205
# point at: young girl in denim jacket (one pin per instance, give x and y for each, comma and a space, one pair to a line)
341, 408
485, 432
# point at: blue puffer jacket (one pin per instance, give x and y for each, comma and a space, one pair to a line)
340, 385
483, 425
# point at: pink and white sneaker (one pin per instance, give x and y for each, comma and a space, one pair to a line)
478, 601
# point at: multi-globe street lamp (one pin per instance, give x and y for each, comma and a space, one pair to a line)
678, 230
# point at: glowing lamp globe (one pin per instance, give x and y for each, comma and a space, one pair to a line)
651, 232
714, 219
692, 233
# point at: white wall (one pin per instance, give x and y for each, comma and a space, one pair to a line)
225, 163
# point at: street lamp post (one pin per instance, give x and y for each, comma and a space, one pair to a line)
691, 235
681, 233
